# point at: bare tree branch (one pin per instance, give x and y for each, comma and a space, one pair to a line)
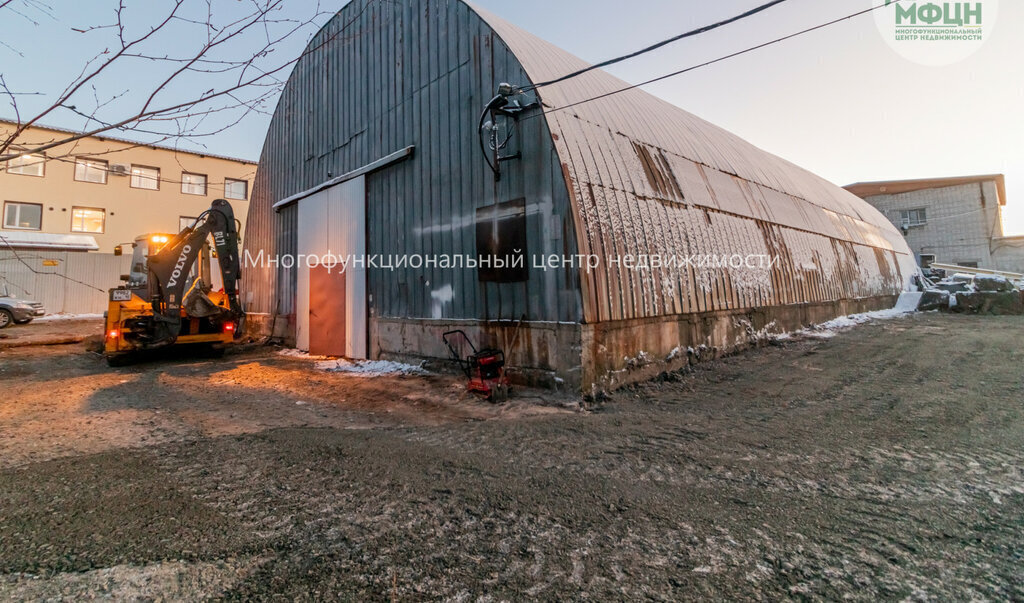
234, 57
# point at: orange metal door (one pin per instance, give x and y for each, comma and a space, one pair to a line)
326, 312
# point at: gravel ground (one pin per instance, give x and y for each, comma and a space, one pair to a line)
884, 463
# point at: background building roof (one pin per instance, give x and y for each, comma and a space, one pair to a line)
895, 187
131, 142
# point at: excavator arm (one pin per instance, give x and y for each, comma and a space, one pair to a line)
170, 267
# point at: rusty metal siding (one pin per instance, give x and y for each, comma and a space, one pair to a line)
381, 76
650, 178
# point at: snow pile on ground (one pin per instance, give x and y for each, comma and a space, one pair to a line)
906, 305
62, 316
829, 329
369, 368
299, 355
359, 368
846, 322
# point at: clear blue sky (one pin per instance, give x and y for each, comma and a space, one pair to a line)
839, 102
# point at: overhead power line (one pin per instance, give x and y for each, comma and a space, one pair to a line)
713, 61
681, 36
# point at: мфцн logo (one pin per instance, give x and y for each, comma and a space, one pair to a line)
936, 33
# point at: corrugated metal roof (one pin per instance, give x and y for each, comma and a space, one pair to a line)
645, 174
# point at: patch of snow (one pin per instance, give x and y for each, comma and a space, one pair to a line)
909, 301
62, 316
300, 355
642, 359
369, 368
827, 330
845, 322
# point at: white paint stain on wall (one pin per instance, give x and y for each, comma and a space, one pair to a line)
440, 297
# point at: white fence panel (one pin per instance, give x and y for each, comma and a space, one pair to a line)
64, 281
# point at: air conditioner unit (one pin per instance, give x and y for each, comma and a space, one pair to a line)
119, 169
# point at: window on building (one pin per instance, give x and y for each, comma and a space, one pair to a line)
501, 235
91, 170
28, 164
236, 189
193, 184
927, 259
145, 177
913, 217
87, 219
184, 222
23, 216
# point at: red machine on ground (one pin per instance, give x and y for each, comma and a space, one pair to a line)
485, 369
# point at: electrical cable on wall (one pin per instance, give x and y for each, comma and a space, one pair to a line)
7, 282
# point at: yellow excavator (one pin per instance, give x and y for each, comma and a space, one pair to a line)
169, 298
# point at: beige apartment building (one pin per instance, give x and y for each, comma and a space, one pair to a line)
950, 220
100, 192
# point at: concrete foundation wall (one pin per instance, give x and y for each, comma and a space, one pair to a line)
593, 357
619, 353
545, 354
281, 327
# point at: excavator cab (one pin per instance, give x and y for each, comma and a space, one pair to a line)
172, 296
143, 247
148, 245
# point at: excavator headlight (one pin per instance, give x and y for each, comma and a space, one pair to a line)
113, 334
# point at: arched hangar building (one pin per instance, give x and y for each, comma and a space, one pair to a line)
375, 151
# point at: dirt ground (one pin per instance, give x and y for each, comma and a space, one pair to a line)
50, 332
883, 463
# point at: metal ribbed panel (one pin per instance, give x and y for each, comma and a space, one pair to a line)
639, 167
625, 175
382, 76
30, 278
